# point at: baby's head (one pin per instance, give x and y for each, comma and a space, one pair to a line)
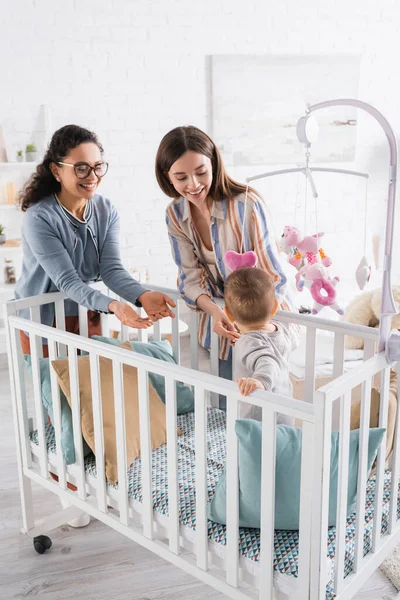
250, 296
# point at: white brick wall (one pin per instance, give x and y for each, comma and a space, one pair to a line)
131, 70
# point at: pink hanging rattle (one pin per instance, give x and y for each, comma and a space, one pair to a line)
241, 260
234, 260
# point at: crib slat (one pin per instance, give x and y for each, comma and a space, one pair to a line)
176, 351
172, 457
35, 316
76, 420
369, 349
214, 365
120, 433
362, 472
55, 396
36, 352
60, 324
232, 496
343, 477
338, 355
104, 326
380, 461
194, 343
201, 478
338, 368
395, 464
157, 331
145, 452
319, 530
83, 321
98, 432
124, 337
143, 335
21, 396
233, 363
268, 453
309, 383
15, 364
306, 495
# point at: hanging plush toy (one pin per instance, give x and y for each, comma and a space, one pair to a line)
306, 249
312, 262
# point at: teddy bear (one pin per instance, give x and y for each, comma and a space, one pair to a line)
365, 310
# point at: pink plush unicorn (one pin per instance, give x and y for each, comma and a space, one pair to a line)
307, 248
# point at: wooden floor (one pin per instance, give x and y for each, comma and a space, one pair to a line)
92, 563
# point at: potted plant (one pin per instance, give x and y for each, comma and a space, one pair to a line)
30, 153
2, 235
20, 156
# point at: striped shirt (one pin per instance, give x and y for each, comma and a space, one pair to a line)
226, 222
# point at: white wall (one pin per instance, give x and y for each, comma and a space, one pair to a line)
131, 70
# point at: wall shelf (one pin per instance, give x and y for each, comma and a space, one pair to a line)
7, 287
19, 165
4, 248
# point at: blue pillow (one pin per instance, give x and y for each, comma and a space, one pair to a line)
163, 351
287, 475
67, 431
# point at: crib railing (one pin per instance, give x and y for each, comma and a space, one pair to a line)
315, 417
227, 577
340, 390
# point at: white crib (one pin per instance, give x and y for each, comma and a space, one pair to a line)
264, 564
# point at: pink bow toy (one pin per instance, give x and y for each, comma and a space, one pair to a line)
234, 260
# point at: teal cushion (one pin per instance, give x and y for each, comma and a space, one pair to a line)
67, 432
163, 351
287, 475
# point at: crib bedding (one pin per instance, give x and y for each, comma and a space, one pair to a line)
285, 543
323, 356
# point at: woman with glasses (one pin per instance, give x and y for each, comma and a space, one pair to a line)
70, 237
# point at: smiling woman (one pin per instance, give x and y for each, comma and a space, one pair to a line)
71, 238
208, 216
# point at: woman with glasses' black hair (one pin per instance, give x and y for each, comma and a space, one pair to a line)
70, 238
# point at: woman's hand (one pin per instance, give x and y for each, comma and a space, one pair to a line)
128, 316
157, 305
247, 385
223, 326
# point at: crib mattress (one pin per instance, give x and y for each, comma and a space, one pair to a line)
285, 542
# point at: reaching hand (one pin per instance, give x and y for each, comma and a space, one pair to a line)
247, 385
223, 326
157, 305
128, 316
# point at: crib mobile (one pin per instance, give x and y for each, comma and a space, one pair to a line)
306, 132
304, 251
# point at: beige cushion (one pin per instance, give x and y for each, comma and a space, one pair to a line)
131, 400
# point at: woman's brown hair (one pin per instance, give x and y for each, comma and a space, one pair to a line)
181, 139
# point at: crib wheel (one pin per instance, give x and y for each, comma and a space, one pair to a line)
41, 543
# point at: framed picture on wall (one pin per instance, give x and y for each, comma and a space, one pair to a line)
256, 101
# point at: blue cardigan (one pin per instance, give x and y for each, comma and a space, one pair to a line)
63, 253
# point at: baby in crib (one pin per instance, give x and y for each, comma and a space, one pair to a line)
263, 349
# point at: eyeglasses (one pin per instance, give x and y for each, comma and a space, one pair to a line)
83, 170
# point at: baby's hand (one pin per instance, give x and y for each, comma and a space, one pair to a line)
247, 385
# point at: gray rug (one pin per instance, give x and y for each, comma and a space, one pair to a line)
391, 567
